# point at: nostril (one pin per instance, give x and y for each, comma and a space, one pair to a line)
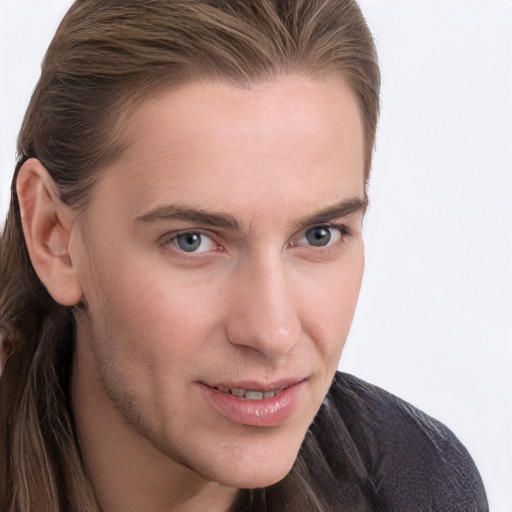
263, 315
265, 335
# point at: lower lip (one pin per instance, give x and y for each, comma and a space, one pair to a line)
258, 413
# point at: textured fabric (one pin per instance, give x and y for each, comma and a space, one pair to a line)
405, 460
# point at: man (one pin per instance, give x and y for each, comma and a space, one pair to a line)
186, 221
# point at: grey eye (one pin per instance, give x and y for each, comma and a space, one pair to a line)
189, 242
318, 237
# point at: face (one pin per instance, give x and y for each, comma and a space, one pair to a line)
221, 259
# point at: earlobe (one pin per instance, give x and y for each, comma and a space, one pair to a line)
47, 224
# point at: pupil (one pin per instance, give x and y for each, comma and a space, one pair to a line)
189, 242
318, 236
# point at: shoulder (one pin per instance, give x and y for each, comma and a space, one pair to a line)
414, 462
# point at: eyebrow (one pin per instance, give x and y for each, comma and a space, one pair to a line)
190, 214
338, 211
227, 221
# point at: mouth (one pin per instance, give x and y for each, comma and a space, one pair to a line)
256, 404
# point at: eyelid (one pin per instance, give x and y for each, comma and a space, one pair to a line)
169, 240
343, 229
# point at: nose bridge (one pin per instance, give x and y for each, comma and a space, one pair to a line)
264, 314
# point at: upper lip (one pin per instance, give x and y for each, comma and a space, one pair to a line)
258, 385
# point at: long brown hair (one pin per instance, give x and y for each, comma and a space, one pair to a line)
106, 57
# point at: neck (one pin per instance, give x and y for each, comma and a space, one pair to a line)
127, 471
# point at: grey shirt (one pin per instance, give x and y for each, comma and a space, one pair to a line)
386, 455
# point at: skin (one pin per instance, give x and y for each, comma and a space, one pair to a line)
255, 302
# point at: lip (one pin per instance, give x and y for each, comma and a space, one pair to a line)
259, 413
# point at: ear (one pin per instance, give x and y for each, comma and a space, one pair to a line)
47, 224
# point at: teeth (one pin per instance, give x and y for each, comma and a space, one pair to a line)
253, 395
249, 394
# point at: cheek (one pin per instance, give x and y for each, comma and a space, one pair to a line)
343, 292
329, 307
158, 316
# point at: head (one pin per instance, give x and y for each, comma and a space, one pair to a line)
173, 197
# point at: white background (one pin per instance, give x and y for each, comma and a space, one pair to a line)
434, 319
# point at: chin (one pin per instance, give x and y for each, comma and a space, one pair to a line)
255, 482
265, 479
253, 476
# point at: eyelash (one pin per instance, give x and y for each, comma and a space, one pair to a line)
343, 230
171, 239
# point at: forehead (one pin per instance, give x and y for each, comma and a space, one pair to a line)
214, 142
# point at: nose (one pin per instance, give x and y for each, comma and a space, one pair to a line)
263, 314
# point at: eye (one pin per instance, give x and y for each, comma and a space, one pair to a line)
318, 236
322, 236
193, 242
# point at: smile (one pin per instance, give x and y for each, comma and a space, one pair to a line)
254, 404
